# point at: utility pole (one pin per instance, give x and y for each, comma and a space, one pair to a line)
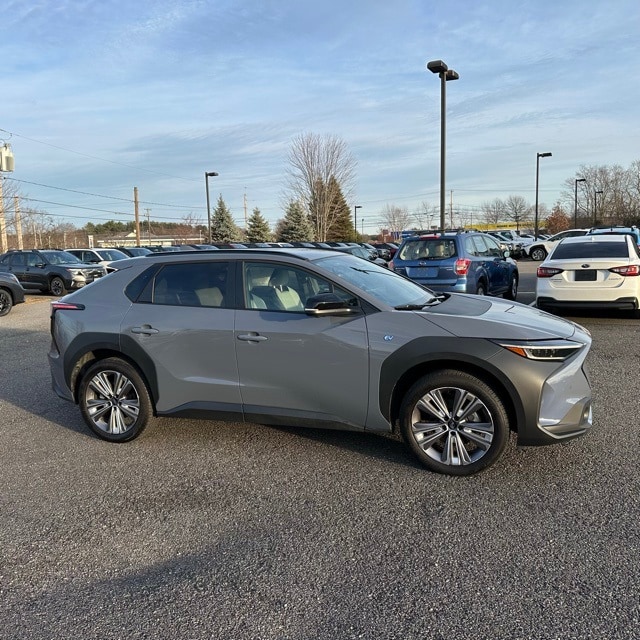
245, 211
451, 209
148, 225
137, 216
3, 226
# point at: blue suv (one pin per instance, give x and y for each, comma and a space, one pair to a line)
461, 262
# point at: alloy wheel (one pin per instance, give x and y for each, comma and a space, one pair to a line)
112, 402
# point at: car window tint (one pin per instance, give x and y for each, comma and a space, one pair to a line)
32, 259
591, 250
274, 287
493, 248
197, 284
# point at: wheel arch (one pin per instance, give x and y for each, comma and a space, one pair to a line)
401, 370
80, 358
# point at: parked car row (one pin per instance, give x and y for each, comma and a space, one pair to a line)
49, 270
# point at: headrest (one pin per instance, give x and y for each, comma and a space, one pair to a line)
279, 278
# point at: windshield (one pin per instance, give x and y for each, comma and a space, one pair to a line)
60, 257
387, 286
111, 254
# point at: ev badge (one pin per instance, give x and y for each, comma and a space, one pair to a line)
388, 338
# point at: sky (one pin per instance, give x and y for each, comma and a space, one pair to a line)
101, 96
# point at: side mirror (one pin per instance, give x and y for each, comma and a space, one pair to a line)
329, 304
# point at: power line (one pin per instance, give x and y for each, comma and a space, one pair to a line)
99, 195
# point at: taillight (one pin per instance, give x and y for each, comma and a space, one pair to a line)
548, 272
629, 270
462, 266
66, 306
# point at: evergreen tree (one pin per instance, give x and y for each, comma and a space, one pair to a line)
295, 226
341, 228
258, 228
223, 228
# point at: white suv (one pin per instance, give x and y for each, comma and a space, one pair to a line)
540, 249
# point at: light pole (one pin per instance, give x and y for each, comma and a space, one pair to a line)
575, 203
439, 67
355, 219
207, 175
595, 205
538, 156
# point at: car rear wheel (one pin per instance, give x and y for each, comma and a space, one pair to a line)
114, 400
481, 289
512, 291
6, 302
56, 287
454, 423
538, 253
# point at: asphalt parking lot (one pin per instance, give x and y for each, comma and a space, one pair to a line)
203, 529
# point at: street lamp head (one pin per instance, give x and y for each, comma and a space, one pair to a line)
357, 206
581, 179
437, 66
211, 174
451, 75
545, 155
599, 191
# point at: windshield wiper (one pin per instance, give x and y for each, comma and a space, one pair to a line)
418, 307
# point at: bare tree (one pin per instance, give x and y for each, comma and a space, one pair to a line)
319, 165
424, 215
517, 209
395, 218
493, 211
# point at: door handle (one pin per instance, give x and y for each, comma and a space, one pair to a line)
145, 329
252, 337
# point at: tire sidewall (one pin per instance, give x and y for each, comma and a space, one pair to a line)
54, 285
145, 411
6, 302
512, 291
460, 379
538, 254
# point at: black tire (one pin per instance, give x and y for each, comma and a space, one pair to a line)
6, 302
512, 292
56, 286
481, 289
114, 400
538, 253
444, 444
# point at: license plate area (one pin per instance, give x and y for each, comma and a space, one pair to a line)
586, 275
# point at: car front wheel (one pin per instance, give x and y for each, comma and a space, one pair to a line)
114, 400
6, 302
538, 253
454, 423
56, 287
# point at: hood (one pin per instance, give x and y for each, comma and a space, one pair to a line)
495, 318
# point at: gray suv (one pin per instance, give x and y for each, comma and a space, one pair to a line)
317, 338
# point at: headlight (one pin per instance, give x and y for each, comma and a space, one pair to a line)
549, 350
75, 272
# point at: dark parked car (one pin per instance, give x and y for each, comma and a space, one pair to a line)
361, 252
460, 262
135, 251
231, 335
389, 247
50, 270
11, 293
